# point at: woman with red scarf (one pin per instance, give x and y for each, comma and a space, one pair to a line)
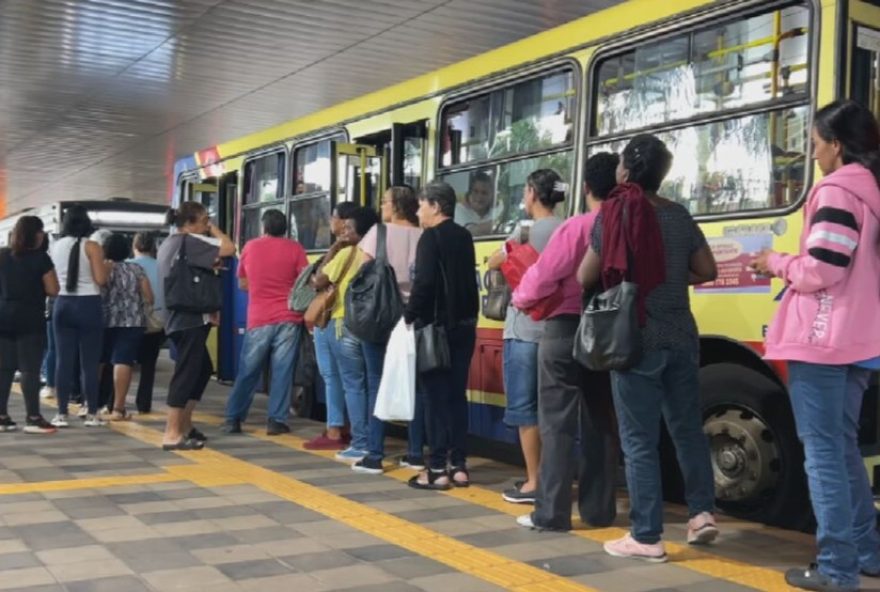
667, 252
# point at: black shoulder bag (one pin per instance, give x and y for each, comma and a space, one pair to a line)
609, 336
432, 343
191, 289
373, 303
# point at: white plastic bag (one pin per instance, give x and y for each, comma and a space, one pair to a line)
397, 389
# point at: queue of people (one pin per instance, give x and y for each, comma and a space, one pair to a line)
573, 421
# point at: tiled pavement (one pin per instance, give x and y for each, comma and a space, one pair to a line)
109, 511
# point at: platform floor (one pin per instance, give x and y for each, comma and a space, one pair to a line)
106, 510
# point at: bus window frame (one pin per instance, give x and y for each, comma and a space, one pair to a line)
280, 196
694, 24
494, 83
331, 135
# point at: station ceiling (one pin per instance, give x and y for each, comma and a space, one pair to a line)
98, 98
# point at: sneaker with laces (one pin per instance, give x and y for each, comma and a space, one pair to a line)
368, 465
351, 455
93, 421
60, 421
83, 411
38, 425
812, 579
629, 548
515, 495
47, 392
231, 426
702, 529
413, 462
7, 425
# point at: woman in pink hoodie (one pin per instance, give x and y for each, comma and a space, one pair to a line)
828, 329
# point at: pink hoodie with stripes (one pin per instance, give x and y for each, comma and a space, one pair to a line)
830, 312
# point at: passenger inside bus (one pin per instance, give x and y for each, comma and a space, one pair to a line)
476, 212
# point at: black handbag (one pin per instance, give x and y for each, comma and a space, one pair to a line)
373, 303
432, 343
191, 289
609, 336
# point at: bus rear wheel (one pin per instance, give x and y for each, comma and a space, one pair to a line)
757, 459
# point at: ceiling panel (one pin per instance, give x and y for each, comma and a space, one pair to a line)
98, 98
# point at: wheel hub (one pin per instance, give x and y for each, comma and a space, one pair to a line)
745, 456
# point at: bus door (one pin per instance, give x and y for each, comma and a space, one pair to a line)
360, 174
863, 85
222, 210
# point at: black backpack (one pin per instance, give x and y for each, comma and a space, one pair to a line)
373, 303
189, 288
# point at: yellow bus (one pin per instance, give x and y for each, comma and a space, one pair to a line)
729, 85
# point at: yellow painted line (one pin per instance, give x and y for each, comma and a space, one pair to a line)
684, 556
213, 468
96, 482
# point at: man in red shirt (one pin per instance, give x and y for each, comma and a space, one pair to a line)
267, 270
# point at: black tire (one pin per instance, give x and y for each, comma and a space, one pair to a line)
757, 459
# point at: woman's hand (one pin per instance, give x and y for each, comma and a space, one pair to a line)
761, 263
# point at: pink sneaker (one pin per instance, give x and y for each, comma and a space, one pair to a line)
702, 529
629, 548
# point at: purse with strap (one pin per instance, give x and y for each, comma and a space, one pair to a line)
609, 336
189, 288
499, 289
321, 307
432, 343
302, 293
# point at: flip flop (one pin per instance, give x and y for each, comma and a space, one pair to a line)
184, 444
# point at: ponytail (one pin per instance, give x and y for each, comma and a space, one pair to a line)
855, 127
548, 187
73, 266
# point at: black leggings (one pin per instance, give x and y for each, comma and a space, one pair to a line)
151, 343
23, 353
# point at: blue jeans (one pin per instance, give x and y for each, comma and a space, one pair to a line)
349, 356
520, 369
79, 327
374, 359
329, 369
48, 368
279, 345
663, 383
826, 401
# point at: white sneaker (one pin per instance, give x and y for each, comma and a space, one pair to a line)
60, 421
629, 548
47, 392
83, 410
93, 421
525, 521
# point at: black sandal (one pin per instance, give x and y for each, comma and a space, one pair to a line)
195, 434
455, 482
184, 444
432, 484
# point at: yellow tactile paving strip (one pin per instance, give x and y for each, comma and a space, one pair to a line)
736, 572
97, 482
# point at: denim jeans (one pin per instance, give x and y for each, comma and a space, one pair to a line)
663, 383
349, 356
446, 401
79, 327
328, 366
520, 369
48, 368
374, 358
279, 345
826, 401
